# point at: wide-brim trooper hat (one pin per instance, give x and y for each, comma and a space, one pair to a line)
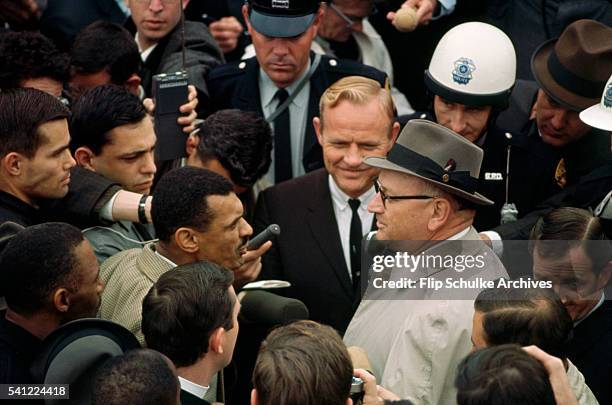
437, 155
282, 18
600, 115
73, 353
573, 69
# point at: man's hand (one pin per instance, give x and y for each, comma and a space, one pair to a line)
251, 267
425, 10
189, 108
226, 32
556, 374
374, 394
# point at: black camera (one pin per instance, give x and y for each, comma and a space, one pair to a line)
357, 391
169, 93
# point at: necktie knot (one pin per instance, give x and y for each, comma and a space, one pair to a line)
354, 203
281, 95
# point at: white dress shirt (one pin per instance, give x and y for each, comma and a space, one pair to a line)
193, 388
344, 214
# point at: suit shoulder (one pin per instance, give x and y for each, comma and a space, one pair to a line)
230, 71
295, 189
347, 67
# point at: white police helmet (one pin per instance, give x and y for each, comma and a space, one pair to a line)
600, 115
473, 64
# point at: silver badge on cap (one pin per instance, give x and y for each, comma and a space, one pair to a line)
463, 70
280, 3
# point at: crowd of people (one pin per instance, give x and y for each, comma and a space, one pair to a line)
129, 273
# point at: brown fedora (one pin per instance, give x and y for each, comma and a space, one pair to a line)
573, 69
437, 155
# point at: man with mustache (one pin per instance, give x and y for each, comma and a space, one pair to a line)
284, 81
197, 217
49, 276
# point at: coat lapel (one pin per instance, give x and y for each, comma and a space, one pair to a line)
248, 93
325, 231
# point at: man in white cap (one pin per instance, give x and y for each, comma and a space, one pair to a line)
415, 338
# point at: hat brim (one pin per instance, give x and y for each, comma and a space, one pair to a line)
383, 163
597, 117
539, 68
280, 27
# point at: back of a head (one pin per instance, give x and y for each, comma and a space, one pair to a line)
22, 112
29, 55
139, 377
303, 363
179, 200
184, 307
35, 262
566, 228
241, 141
525, 317
502, 375
98, 111
104, 46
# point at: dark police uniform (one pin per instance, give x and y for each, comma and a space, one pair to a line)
531, 168
235, 85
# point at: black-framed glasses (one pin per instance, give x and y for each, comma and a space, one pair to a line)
384, 196
350, 20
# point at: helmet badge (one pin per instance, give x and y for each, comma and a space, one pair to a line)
607, 98
462, 74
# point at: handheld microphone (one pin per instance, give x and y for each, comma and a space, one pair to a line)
264, 236
509, 212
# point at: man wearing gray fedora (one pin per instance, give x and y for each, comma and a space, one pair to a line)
426, 195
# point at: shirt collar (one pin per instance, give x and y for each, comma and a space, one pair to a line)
193, 388
268, 89
144, 53
340, 198
164, 258
459, 235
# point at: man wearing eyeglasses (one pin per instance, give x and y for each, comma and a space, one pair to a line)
426, 194
284, 81
346, 33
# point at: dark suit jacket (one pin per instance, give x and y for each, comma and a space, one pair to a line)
235, 85
591, 351
308, 252
190, 399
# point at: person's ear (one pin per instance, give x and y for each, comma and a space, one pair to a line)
245, 14
604, 276
441, 211
192, 144
254, 400
84, 158
186, 239
395, 130
61, 300
349, 401
132, 84
316, 122
185, 4
216, 341
12, 163
319, 17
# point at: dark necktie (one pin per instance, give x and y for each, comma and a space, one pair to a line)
356, 235
282, 141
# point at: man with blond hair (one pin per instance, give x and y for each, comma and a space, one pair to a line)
325, 212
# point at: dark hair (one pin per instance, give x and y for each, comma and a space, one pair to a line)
98, 111
240, 140
105, 46
502, 375
184, 307
303, 363
35, 262
180, 200
566, 228
138, 377
525, 317
29, 55
22, 112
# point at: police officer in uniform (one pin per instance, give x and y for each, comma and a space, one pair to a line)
470, 78
284, 81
